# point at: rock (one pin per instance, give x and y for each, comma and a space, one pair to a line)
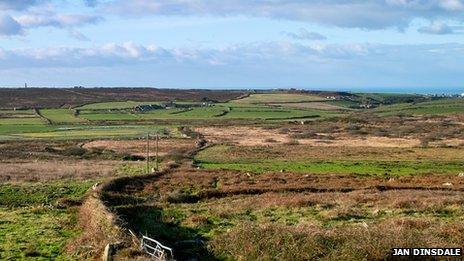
448, 184
461, 175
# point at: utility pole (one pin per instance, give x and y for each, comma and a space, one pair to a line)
148, 153
156, 158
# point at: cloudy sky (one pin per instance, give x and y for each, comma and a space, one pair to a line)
336, 44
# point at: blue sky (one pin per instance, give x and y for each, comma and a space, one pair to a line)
319, 44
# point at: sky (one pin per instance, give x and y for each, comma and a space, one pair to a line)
315, 44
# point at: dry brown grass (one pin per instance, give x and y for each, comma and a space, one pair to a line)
305, 152
347, 242
100, 227
258, 136
47, 170
206, 182
138, 147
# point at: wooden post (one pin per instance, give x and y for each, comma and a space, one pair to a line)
148, 153
108, 253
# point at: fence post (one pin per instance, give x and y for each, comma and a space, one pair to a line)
107, 254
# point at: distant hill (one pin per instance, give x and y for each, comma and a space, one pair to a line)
71, 97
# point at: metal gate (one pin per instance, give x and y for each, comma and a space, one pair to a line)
156, 249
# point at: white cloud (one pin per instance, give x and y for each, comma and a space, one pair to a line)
16, 17
440, 28
57, 20
452, 5
372, 14
268, 64
113, 54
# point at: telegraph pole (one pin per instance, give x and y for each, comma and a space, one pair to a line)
148, 153
156, 157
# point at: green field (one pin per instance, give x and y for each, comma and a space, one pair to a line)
43, 131
35, 233
445, 106
257, 107
216, 112
382, 97
21, 121
365, 168
279, 98
271, 113
61, 116
114, 105
16, 113
90, 132
108, 116
32, 226
258, 160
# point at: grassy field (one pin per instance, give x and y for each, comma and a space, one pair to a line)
38, 233
267, 113
371, 168
61, 116
92, 132
279, 98
447, 106
333, 160
16, 113
35, 224
114, 105
217, 112
13, 122
109, 116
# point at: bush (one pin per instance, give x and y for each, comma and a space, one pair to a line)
74, 151
270, 140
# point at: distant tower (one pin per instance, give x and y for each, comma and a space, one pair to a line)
25, 85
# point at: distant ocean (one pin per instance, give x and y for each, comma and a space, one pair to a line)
411, 90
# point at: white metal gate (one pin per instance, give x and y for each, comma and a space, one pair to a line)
156, 249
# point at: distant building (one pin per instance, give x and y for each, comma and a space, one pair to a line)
147, 107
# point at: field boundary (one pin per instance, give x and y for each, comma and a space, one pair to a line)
102, 226
39, 114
